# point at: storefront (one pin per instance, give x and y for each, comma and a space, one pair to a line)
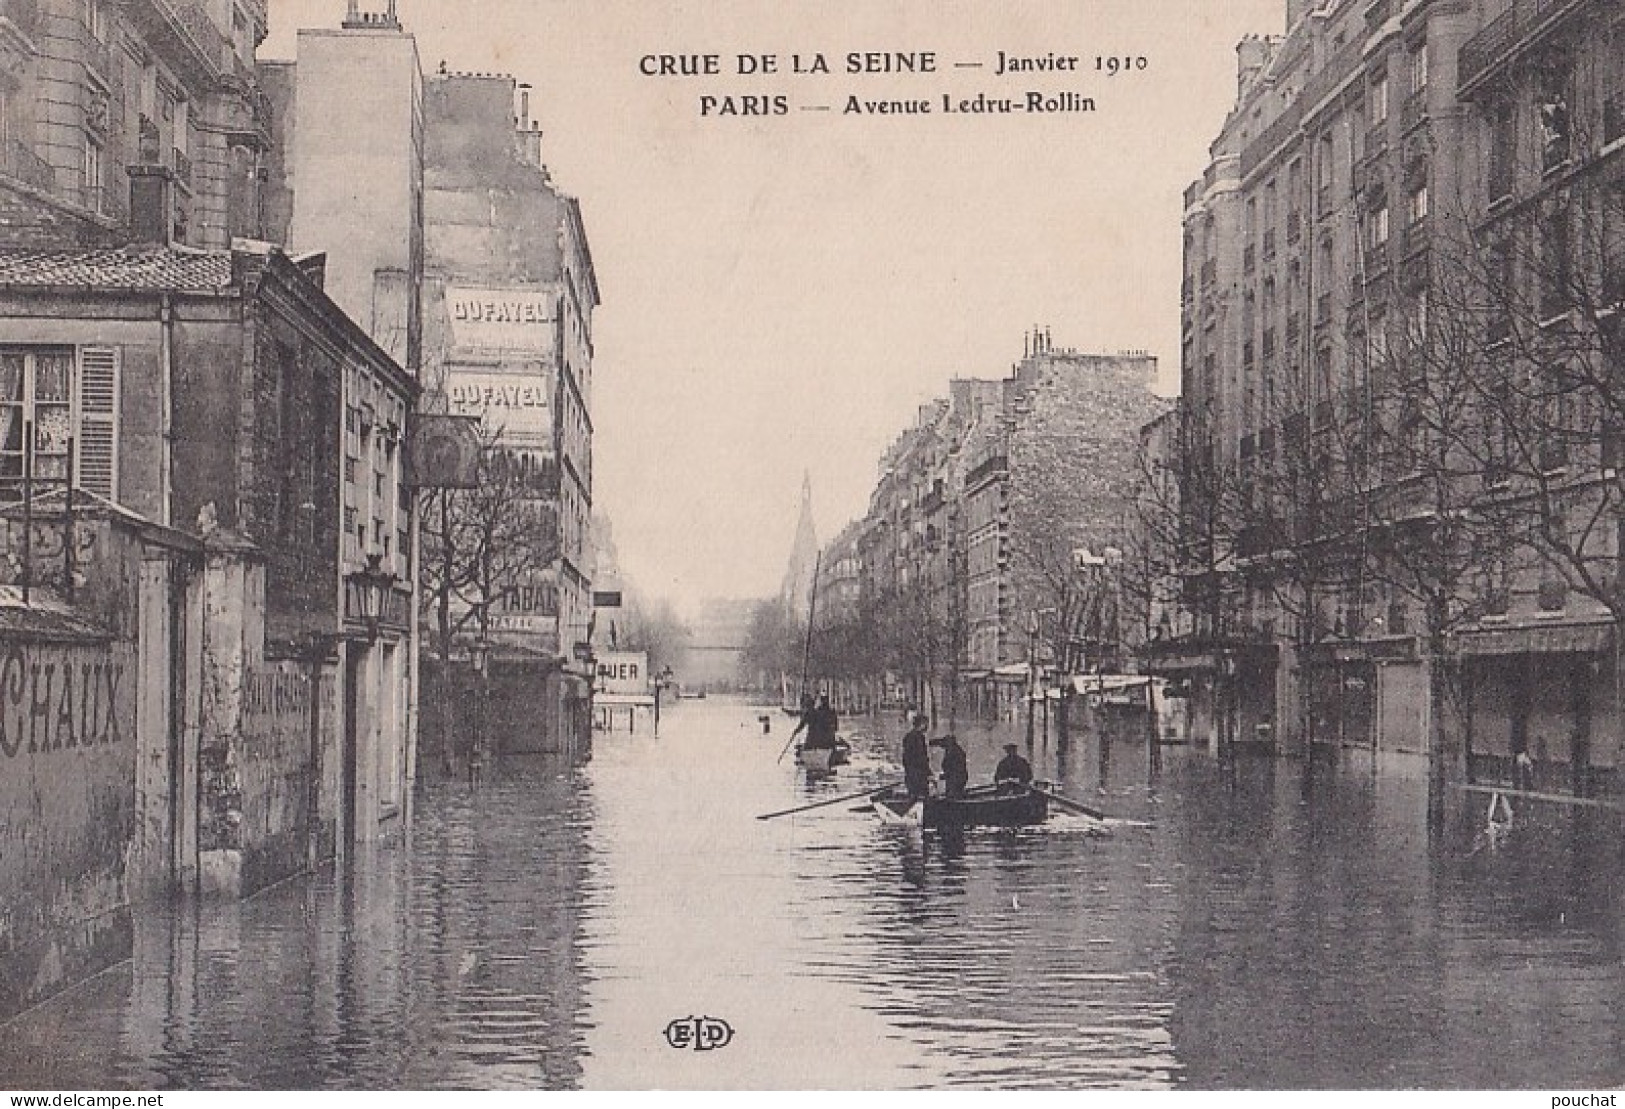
1546, 693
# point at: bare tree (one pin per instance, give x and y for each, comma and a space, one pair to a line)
485, 547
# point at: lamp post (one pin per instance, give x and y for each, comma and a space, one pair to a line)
1032, 672
479, 657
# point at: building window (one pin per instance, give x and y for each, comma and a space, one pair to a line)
1555, 121
149, 92
96, 20
1417, 205
1377, 225
69, 399
1555, 266
92, 169
1419, 69
1503, 151
1379, 99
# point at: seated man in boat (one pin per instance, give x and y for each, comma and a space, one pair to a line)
955, 771
1013, 771
916, 760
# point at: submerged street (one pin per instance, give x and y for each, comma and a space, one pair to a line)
1246, 926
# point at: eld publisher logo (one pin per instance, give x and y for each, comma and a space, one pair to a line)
699, 1033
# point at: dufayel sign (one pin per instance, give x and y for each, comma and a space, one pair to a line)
519, 318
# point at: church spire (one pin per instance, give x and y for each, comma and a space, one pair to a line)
798, 578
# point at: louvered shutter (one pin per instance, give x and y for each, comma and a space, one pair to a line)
96, 466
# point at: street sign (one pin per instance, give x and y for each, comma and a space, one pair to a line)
606, 599
623, 672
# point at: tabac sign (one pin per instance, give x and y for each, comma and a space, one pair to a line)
517, 319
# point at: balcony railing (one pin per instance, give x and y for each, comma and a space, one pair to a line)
1332, 74
1516, 29
1284, 127
184, 27
18, 161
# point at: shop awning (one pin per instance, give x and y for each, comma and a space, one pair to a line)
1540, 639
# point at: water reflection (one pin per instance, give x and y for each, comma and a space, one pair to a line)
448, 962
1268, 925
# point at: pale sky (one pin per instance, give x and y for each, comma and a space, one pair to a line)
781, 294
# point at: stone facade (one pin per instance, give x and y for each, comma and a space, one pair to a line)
972, 500
509, 293
1354, 218
224, 398
92, 90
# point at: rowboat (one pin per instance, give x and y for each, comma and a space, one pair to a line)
821, 760
981, 806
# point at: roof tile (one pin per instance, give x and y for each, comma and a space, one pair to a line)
133, 269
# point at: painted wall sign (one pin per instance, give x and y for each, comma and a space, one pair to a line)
531, 608
55, 700
517, 408
502, 319
623, 672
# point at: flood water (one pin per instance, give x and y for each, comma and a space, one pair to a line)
1251, 925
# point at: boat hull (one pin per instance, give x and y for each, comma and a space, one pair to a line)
817, 760
824, 759
983, 807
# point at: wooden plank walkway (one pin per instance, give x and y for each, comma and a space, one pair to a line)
1536, 795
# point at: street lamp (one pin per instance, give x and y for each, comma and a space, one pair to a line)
373, 587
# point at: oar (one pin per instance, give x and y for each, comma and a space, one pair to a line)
833, 800
1067, 802
787, 743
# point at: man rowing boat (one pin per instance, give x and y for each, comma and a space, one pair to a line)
916, 760
955, 771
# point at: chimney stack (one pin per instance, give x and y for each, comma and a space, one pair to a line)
1252, 53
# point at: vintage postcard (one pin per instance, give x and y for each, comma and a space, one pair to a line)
753, 545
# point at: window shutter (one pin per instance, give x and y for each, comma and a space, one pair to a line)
96, 467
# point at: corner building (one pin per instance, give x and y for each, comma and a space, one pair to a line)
509, 294
1310, 232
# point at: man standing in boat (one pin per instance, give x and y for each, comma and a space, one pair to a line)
916, 760
955, 771
822, 726
1013, 770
